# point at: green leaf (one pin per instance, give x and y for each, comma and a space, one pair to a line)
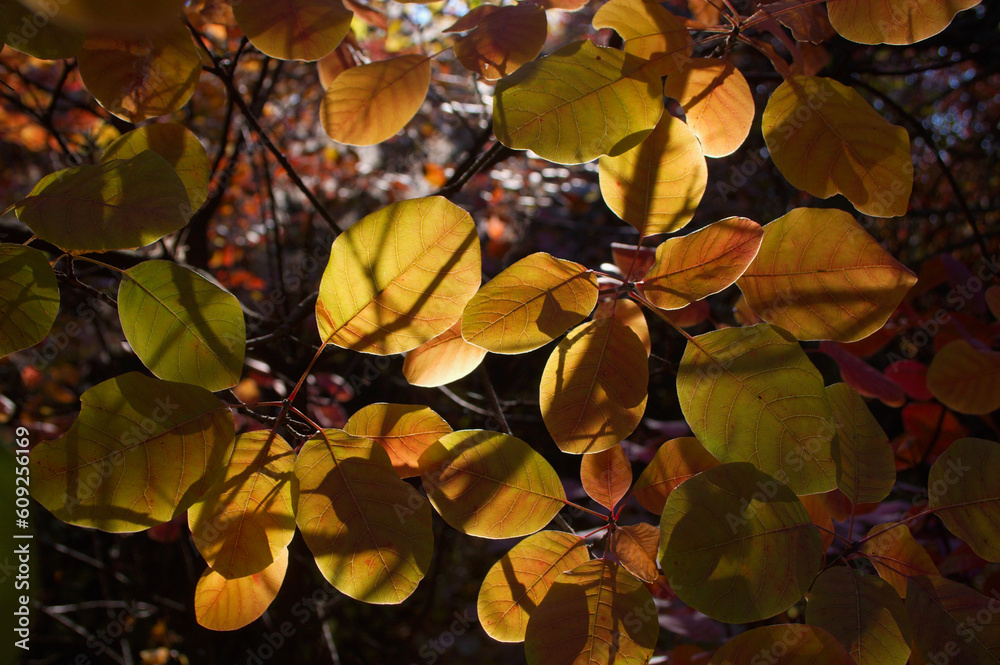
517, 583
579, 103
490, 485
29, 298
738, 545
954, 624
228, 604
964, 492
182, 326
404, 430
864, 613
119, 204
595, 613
866, 470
783, 644
762, 380
399, 277
369, 531
529, 304
141, 452
674, 462
176, 144
594, 387
293, 29
246, 520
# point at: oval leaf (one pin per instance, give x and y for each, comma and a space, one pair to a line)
868, 381
963, 491
825, 139
518, 582
759, 378
579, 103
635, 546
606, 476
944, 611
19, 29
783, 644
819, 275
228, 604
293, 29
182, 326
529, 304
140, 453
737, 544
368, 104
897, 22
965, 378
699, 264
628, 313
866, 470
29, 298
490, 485
717, 102
896, 555
503, 40
649, 31
246, 520
369, 531
594, 387
119, 204
674, 462
399, 277
446, 358
595, 613
404, 430
657, 185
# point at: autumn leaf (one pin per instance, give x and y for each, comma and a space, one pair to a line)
717, 101
783, 644
635, 546
649, 32
29, 298
900, 22
404, 430
606, 476
628, 313
229, 604
674, 462
965, 378
503, 40
293, 29
896, 555
866, 471
443, 359
963, 491
942, 611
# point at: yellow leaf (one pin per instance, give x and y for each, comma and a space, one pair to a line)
699, 264
228, 604
649, 31
606, 476
657, 185
628, 313
717, 102
503, 40
293, 29
446, 358
399, 277
965, 379
819, 275
529, 304
895, 21
368, 104
29, 297
825, 139
404, 430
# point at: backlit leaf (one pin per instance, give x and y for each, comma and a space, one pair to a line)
50, 41
674, 462
293, 29
594, 387
897, 22
864, 613
595, 613
140, 453
141, 75
964, 491
471, 19
29, 298
897, 556
368, 104
369, 531
965, 378
490, 485
866, 470
864, 378
518, 582
399, 277
606, 476
529, 304
503, 40
120, 204
404, 430
176, 144
121, 16
953, 624
228, 604
717, 102
657, 185
819, 275
635, 546
579, 103
629, 313
737, 544
446, 358
246, 520
182, 326
825, 139
699, 264
649, 31
783, 644
751, 395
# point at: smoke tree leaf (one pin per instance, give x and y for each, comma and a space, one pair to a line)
674, 462
899, 22
51, 41
628, 313
897, 556
503, 40
141, 452
404, 430
518, 582
954, 623
963, 491
529, 304
446, 358
399, 277
29, 298
182, 326
866, 470
760, 378
738, 545
783, 644
964, 378
369, 531
606, 476
717, 101
649, 31
819, 275
293, 29
229, 604
490, 485
635, 546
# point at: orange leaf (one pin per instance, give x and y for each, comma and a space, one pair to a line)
606, 476
446, 358
635, 546
675, 461
717, 102
293, 29
628, 313
965, 378
783, 644
503, 40
897, 556
404, 430
897, 22
222, 604
863, 377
